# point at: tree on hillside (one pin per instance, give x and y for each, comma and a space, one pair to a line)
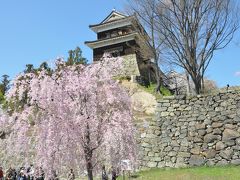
180, 84
193, 30
4, 85
45, 66
29, 68
145, 13
82, 118
75, 57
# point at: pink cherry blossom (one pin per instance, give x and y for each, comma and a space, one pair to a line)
78, 117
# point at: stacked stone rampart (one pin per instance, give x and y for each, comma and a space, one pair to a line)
201, 130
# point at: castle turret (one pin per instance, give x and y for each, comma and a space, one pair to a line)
121, 35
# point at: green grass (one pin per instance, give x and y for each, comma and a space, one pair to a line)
199, 173
152, 90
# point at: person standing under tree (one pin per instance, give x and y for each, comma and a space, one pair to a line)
22, 175
1, 174
9, 174
71, 175
54, 175
39, 174
30, 172
104, 173
114, 174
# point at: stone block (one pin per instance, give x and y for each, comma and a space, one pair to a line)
210, 153
183, 148
146, 145
172, 153
200, 126
210, 138
161, 164
209, 130
164, 114
201, 118
195, 151
202, 132
196, 160
211, 162
220, 145
235, 162
230, 126
168, 148
156, 159
152, 164
151, 154
185, 143
222, 162
184, 154
226, 154
217, 131
173, 159
217, 125
229, 134
143, 135
238, 141
151, 136
230, 143
197, 140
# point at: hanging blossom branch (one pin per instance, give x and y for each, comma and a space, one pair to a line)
80, 113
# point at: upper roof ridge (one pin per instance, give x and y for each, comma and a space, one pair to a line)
112, 14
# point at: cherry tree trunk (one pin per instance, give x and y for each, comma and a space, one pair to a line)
90, 170
88, 153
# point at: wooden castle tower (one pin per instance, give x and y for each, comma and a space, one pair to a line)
121, 35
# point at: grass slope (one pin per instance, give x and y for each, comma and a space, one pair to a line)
198, 173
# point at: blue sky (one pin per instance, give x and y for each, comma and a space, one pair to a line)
35, 31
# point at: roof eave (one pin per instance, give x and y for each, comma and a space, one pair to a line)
108, 42
100, 27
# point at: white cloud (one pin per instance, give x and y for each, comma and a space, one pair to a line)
237, 73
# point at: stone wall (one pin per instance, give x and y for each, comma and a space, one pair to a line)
202, 130
130, 65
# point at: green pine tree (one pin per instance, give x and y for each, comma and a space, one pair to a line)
29, 68
4, 85
75, 57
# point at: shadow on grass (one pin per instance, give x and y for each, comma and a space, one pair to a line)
135, 176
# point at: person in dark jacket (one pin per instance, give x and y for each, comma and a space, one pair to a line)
54, 175
1, 173
114, 174
22, 176
104, 173
10, 174
30, 172
71, 175
39, 174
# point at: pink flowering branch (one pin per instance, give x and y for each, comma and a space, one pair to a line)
80, 113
